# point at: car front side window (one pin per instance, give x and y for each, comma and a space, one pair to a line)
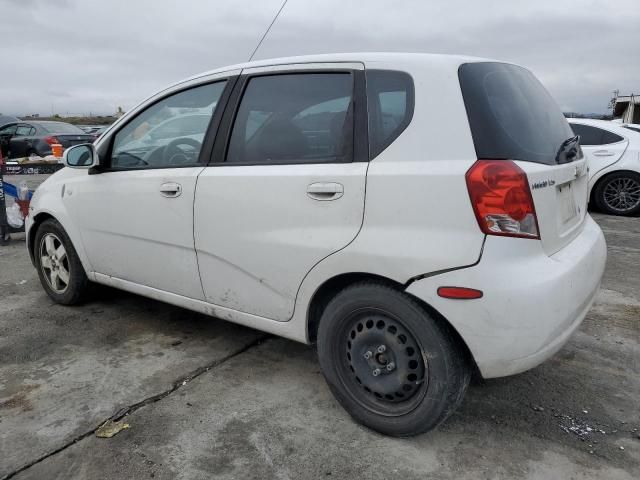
10, 130
169, 133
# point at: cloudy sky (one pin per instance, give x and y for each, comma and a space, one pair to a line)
81, 56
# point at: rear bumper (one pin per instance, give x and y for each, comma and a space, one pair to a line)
532, 303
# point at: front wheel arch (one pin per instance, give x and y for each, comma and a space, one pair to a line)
37, 221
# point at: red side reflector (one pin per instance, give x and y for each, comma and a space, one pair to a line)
460, 293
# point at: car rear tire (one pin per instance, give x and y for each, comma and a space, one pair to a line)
59, 268
393, 366
619, 194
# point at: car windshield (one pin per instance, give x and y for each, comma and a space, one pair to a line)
61, 127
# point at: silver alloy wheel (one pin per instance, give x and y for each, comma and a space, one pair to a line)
54, 263
622, 194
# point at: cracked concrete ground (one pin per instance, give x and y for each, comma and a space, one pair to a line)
205, 398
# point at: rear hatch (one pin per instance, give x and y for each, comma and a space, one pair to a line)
513, 117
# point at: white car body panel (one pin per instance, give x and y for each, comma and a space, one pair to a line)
254, 250
246, 243
131, 231
524, 316
605, 159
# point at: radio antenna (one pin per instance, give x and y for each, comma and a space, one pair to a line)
267, 31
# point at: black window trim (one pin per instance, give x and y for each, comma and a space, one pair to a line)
209, 137
360, 124
411, 102
623, 139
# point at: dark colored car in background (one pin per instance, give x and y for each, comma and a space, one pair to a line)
22, 139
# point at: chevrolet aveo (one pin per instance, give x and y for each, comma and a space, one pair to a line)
418, 217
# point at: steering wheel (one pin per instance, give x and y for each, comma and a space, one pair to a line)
173, 154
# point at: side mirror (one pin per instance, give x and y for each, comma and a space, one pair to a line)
80, 156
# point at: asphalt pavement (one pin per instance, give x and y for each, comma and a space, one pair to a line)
204, 398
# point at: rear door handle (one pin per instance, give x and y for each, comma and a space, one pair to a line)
170, 189
324, 191
603, 153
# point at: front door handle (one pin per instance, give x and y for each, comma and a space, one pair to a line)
324, 191
170, 189
603, 153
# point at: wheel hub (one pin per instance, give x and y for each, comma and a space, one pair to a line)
384, 358
622, 194
54, 262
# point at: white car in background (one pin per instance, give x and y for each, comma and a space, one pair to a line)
418, 217
613, 152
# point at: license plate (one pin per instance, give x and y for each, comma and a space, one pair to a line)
567, 202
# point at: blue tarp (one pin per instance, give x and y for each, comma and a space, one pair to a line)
10, 189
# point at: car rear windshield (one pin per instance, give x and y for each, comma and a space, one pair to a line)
61, 128
511, 114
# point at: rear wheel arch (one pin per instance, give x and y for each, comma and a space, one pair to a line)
331, 287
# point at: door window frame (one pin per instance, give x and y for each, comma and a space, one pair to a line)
218, 156
105, 148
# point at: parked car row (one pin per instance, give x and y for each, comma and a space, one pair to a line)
418, 217
22, 139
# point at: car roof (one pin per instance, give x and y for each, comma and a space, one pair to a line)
595, 122
367, 58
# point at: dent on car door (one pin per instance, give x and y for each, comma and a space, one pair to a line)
289, 192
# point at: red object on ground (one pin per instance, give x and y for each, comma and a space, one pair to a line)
24, 207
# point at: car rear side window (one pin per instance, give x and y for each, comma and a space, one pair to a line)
511, 114
390, 101
590, 135
294, 118
24, 130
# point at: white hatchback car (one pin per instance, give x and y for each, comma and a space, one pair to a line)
419, 217
613, 154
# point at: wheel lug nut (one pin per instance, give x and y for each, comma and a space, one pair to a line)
367, 355
376, 372
382, 349
391, 366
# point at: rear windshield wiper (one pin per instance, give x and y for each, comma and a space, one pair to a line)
569, 150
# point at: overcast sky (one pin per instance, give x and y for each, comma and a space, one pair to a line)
81, 56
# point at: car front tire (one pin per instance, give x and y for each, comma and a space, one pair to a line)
393, 366
59, 268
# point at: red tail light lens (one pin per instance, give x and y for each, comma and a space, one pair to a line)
501, 199
51, 140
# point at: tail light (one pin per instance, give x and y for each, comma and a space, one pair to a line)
501, 199
51, 140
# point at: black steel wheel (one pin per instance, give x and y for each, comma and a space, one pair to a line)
619, 193
391, 365
385, 360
